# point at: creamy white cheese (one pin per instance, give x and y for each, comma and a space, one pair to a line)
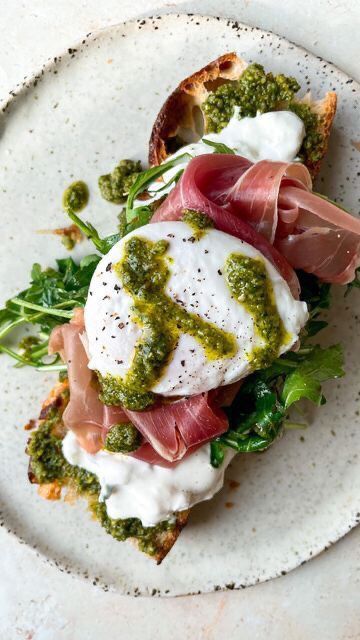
196, 282
277, 135
135, 489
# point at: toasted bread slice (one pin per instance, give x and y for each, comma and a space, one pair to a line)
181, 119
161, 542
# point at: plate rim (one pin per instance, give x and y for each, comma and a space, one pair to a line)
6, 104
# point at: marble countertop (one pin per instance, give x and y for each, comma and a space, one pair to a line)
320, 599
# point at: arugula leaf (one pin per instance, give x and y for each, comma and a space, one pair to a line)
219, 147
268, 412
355, 284
175, 179
217, 453
305, 381
102, 244
48, 301
315, 293
317, 296
246, 445
68, 284
147, 177
314, 326
258, 414
139, 217
51, 311
142, 216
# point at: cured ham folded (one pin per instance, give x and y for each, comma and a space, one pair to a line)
169, 430
271, 206
85, 414
174, 428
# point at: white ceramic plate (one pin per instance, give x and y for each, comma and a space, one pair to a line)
81, 114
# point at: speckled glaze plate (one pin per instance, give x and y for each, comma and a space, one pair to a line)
83, 112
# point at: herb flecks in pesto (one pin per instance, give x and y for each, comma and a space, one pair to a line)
260, 92
198, 221
75, 197
144, 273
115, 186
122, 438
255, 91
249, 283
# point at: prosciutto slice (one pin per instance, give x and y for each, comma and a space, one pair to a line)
324, 239
271, 206
256, 193
85, 415
172, 429
169, 430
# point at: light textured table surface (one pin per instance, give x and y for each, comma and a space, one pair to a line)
319, 600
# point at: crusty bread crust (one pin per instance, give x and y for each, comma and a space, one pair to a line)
181, 116
180, 111
53, 490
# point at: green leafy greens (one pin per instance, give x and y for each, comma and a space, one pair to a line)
258, 415
355, 284
50, 299
219, 147
138, 216
259, 412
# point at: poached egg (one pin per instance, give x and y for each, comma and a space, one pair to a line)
197, 283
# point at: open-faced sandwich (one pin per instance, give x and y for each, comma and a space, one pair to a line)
191, 337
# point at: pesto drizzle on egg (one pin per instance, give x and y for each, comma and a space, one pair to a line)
250, 284
144, 273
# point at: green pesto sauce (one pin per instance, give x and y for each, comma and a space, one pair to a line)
144, 274
257, 91
147, 537
48, 464
249, 283
198, 221
47, 460
312, 146
123, 438
254, 91
75, 197
115, 186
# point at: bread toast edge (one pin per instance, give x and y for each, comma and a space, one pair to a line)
165, 540
178, 109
